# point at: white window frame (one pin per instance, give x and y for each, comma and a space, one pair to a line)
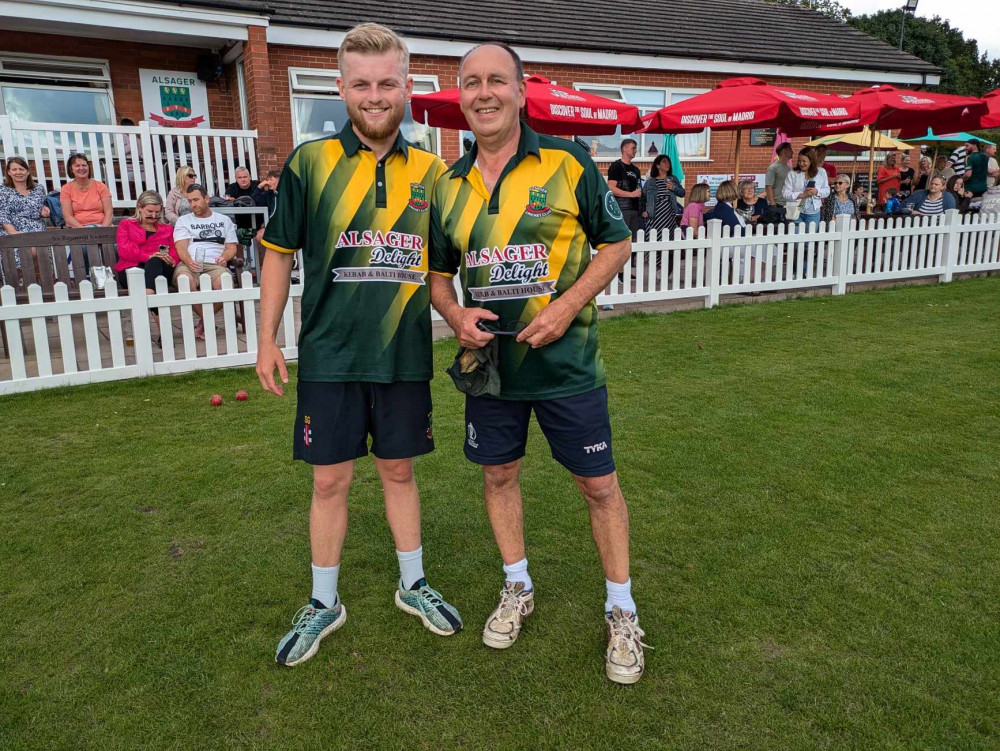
295, 89
103, 79
241, 87
668, 91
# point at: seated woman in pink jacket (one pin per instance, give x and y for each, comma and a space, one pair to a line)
145, 243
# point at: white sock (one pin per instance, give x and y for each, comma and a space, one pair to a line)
620, 595
411, 566
325, 584
518, 572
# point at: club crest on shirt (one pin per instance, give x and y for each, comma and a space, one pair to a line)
418, 198
537, 198
611, 206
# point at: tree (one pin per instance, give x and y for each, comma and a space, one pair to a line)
964, 70
830, 8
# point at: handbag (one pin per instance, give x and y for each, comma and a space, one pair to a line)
792, 210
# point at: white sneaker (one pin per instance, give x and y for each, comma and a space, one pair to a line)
504, 624
623, 662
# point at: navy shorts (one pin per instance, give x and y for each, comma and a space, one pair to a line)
577, 428
334, 420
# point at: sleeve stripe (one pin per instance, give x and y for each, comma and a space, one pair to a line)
442, 273
278, 248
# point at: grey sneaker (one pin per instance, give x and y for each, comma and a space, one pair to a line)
623, 662
310, 624
429, 606
504, 624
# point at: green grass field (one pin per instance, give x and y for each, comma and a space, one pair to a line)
813, 489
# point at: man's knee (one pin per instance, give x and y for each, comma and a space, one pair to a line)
331, 483
601, 491
501, 477
395, 471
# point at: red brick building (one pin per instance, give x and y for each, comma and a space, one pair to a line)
76, 61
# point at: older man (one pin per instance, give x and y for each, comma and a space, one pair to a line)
517, 217
356, 203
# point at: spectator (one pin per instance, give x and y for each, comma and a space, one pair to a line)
831, 171
85, 202
993, 168
934, 200
750, 206
694, 209
861, 196
841, 201
887, 177
892, 203
661, 192
147, 243
625, 180
242, 187
959, 157
266, 192
774, 180
943, 169
963, 197
22, 200
177, 200
205, 242
726, 196
978, 171
923, 173
907, 176
807, 184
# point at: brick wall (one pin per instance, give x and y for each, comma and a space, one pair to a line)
125, 60
752, 160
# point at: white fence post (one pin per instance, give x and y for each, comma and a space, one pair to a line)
841, 253
148, 160
714, 262
142, 337
6, 137
949, 247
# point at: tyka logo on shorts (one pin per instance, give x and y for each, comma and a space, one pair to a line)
307, 431
595, 448
472, 436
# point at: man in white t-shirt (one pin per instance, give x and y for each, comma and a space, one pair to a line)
206, 242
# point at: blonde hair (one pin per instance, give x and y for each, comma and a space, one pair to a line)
700, 193
147, 198
180, 175
373, 39
727, 191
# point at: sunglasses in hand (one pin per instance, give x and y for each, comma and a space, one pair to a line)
511, 328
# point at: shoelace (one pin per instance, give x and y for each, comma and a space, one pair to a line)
625, 629
304, 619
510, 602
431, 595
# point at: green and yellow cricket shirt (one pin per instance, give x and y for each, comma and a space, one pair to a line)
522, 246
362, 224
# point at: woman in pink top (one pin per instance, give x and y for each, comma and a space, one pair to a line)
694, 209
85, 202
145, 243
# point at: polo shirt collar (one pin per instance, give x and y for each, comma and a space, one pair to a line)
352, 144
528, 143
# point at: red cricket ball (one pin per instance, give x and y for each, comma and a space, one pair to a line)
241, 396
216, 400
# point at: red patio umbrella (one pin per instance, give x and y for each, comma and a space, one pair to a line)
992, 117
738, 103
550, 109
910, 112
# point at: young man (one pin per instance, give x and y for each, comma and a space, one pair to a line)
978, 172
625, 182
206, 243
357, 204
774, 180
831, 171
517, 217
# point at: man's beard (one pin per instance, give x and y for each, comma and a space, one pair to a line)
376, 133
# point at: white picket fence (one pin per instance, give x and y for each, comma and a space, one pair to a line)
702, 267
131, 159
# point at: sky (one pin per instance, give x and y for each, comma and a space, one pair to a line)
973, 17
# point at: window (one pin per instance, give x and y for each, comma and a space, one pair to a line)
318, 110
691, 147
55, 90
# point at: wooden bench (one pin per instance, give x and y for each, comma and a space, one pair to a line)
44, 258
